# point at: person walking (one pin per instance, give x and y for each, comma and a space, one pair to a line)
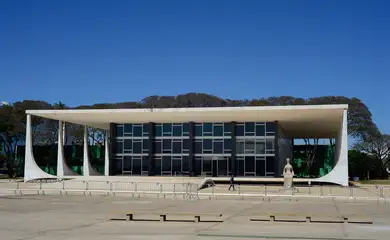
232, 183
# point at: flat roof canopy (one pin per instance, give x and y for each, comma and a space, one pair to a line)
299, 121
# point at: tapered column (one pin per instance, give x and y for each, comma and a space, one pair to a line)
87, 168
31, 169
107, 154
339, 173
62, 168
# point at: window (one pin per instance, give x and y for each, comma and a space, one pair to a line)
207, 128
186, 145
270, 145
270, 168
128, 145
207, 144
218, 147
145, 129
260, 146
227, 129
177, 132
227, 148
177, 147
186, 129
249, 127
260, 167
185, 164
157, 146
137, 131
239, 130
198, 130
167, 145
137, 147
145, 147
119, 147
271, 127
198, 146
249, 164
119, 130
158, 130
167, 129
127, 164
249, 146
145, 164
128, 128
157, 165
260, 130
218, 130
166, 164
176, 165
240, 146
137, 165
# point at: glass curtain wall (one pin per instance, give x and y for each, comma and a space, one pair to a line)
171, 151
212, 148
255, 148
132, 148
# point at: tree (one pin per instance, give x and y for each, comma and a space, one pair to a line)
376, 145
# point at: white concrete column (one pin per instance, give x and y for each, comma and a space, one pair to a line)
87, 168
107, 154
339, 173
31, 169
62, 168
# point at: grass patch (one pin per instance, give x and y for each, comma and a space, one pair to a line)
379, 182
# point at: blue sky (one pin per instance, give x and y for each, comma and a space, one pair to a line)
84, 52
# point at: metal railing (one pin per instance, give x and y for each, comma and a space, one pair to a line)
377, 193
135, 189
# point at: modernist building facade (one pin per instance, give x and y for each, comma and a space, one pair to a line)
217, 142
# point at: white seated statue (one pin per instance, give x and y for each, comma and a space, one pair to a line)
288, 174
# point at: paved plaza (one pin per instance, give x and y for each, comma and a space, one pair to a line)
100, 217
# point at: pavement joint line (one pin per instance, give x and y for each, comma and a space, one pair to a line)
277, 237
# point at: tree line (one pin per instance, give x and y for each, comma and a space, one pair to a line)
361, 127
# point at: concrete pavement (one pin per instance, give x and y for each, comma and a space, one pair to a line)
89, 217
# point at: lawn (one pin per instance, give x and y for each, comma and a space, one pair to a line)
378, 182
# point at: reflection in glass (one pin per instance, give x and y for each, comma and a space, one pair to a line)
260, 146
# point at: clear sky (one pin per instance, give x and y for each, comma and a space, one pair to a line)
85, 52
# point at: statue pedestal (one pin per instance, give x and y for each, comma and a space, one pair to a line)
288, 181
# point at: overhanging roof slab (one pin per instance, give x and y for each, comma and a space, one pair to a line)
314, 121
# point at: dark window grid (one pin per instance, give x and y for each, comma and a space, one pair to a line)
212, 137
259, 123
134, 138
211, 155
173, 137
249, 127
133, 154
